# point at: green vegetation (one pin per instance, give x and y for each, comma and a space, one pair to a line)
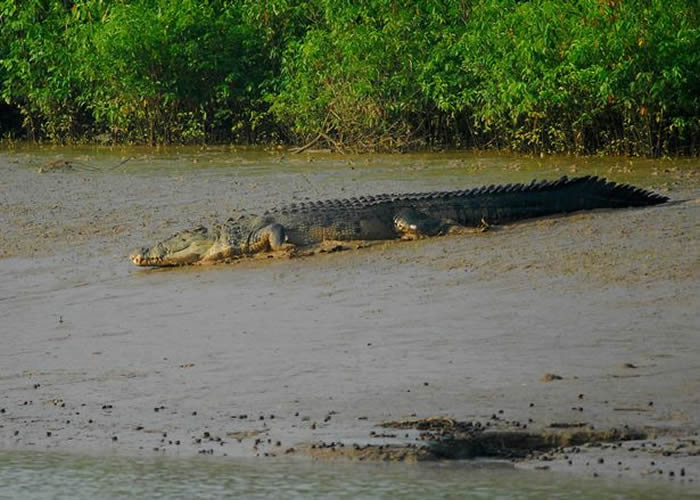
618, 76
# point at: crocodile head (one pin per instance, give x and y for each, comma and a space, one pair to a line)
185, 247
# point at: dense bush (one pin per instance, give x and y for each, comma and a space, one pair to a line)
191, 74
582, 76
143, 71
352, 79
39, 75
620, 76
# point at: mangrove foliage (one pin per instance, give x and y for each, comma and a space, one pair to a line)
616, 76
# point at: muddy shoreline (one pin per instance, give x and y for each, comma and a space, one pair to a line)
263, 357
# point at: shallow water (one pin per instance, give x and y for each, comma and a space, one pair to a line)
95, 349
44, 475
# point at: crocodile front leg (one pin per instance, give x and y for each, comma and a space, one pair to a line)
270, 237
412, 224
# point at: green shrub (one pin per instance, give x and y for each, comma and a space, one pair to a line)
620, 76
174, 70
577, 76
40, 76
353, 78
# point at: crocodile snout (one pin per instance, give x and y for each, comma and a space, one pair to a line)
138, 257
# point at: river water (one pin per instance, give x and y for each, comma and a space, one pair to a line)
45, 475
142, 372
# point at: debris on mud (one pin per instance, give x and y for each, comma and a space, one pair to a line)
447, 438
551, 377
241, 435
452, 439
55, 165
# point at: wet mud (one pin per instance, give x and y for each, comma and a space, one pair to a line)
578, 333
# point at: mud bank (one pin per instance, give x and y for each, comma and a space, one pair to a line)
572, 447
589, 320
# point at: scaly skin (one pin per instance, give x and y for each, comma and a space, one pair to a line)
389, 216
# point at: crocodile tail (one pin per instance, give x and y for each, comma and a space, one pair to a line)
511, 202
596, 192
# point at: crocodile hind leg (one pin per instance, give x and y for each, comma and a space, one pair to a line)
482, 227
412, 224
270, 237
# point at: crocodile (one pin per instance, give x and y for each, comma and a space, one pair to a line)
389, 216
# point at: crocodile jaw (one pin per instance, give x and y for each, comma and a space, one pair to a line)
186, 247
